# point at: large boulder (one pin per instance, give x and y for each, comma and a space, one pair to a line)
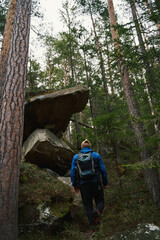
53, 111
46, 150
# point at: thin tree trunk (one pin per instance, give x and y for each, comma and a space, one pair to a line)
143, 31
117, 160
90, 102
143, 50
77, 131
87, 78
71, 50
109, 70
50, 73
65, 74
73, 80
100, 57
149, 72
151, 175
151, 12
103, 73
11, 120
150, 102
68, 133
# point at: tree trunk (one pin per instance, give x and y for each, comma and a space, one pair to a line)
109, 108
6, 45
100, 57
87, 78
11, 121
65, 74
72, 79
151, 12
68, 133
90, 101
149, 72
150, 102
117, 160
77, 132
50, 74
109, 71
151, 175
146, 63
143, 50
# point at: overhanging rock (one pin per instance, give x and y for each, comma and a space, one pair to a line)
53, 111
46, 150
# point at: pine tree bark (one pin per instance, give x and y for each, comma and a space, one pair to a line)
6, 45
151, 176
11, 120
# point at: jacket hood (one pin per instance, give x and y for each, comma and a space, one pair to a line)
86, 149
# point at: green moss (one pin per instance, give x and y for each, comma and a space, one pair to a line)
60, 209
37, 186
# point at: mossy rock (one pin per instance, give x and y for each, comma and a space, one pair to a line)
60, 209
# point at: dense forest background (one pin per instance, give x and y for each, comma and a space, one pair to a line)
120, 64
80, 56
83, 55
86, 56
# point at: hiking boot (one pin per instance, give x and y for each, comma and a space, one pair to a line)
93, 232
96, 217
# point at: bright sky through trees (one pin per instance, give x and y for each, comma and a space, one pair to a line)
51, 9
53, 24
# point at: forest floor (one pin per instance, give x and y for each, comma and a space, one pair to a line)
127, 203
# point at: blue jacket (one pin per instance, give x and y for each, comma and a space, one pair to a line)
99, 165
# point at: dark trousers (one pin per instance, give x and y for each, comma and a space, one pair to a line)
92, 191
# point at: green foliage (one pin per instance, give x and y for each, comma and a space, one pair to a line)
3, 12
33, 77
36, 11
4, 5
151, 162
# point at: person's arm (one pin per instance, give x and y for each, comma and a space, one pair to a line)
73, 172
103, 171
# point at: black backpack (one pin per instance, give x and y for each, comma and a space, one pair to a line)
85, 165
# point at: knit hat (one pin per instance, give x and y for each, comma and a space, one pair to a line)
85, 143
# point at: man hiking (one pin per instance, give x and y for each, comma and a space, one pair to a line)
88, 174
